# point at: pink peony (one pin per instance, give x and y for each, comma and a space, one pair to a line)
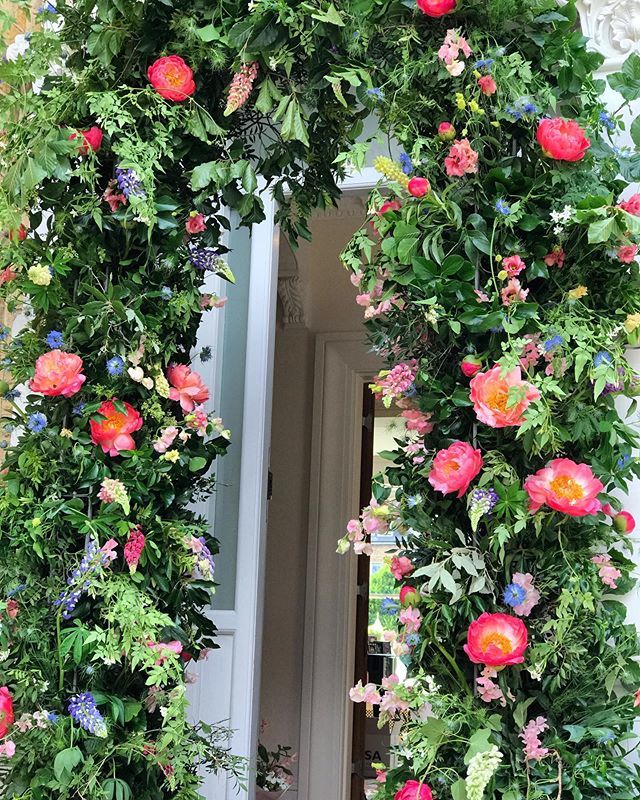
58, 373
113, 433
409, 596
454, 468
418, 187
401, 566
470, 366
462, 159
487, 85
418, 422
632, 205
562, 139
413, 790
195, 223
513, 266
627, 253
500, 402
186, 386
565, 486
624, 522
497, 640
172, 78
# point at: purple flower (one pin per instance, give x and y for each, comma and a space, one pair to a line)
55, 340
406, 163
37, 422
83, 709
502, 208
129, 183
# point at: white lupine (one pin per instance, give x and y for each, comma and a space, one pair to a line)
481, 769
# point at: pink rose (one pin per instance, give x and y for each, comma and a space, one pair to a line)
413, 790
172, 78
454, 468
627, 254
401, 566
632, 205
470, 366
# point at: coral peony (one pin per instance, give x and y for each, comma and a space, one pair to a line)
113, 433
497, 640
500, 401
186, 386
6, 711
562, 139
58, 373
632, 205
172, 78
446, 132
565, 486
470, 366
487, 85
413, 790
627, 253
418, 187
454, 468
436, 8
91, 139
624, 522
462, 159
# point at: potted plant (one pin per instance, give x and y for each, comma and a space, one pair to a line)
274, 776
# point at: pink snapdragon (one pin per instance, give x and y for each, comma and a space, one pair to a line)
530, 735
462, 159
418, 421
607, 572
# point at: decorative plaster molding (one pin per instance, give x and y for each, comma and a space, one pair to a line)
290, 294
352, 204
613, 26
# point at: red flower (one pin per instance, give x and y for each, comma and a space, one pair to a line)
556, 257
8, 274
186, 386
6, 711
470, 366
632, 205
195, 223
436, 8
58, 374
413, 790
627, 254
624, 522
20, 234
172, 78
487, 85
13, 608
113, 433
91, 139
497, 640
388, 205
418, 187
562, 139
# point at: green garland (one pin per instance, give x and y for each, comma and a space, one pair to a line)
129, 130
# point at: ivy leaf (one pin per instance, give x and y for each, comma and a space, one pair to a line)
601, 230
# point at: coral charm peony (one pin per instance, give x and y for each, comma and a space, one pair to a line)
413, 790
6, 711
454, 468
91, 139
500, 401
172, 78
436, 8
497, 640
186, 386
113, 433
562, 139
565, 486
58, 374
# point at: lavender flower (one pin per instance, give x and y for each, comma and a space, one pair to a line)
129, 183
37, 422
55, 340
115, 365
83, 709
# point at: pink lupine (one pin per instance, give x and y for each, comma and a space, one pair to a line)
241, 86
134, 547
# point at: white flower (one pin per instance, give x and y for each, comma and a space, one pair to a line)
559, 229
18, 47
481, 769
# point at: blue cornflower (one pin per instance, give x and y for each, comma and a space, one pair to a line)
413, 639
514, 595
502, 208
6, 362
78, 410
484, 63
166, 293
4, 332
406, 163
205, 354
4, 444
37, 422
115, 365
530, 108
376, 93
12, 394
389, 607
607, 120
413, 500
84, 711
603, 357
55, 340
554, 341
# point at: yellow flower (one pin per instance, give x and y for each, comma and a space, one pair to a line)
475, 108
171, 455
39, 275
391, 170
66, 433
162, 385
460, 101
632, 322
578, 292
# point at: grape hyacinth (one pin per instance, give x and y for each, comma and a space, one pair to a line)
83, 709
129, 183
481, 504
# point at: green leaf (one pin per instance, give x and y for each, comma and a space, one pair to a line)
293, 125
459, 790
66, 761
634, 130
627, 81
601, 230
478, 743
209, 33
196, 464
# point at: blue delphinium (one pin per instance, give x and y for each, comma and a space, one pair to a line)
406, 163
554, 341
115, 365
84, 711
55, 340
502, 208
389, 607
603, 357
514, 595
37, 422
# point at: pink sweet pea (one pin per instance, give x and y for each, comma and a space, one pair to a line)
418, 422
607, 572
513, 292
411, 619
365, 694
627, 254
487, 85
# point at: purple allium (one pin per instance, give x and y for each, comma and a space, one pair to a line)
83, 709
37, 422
115, 365
55, 340
129, 183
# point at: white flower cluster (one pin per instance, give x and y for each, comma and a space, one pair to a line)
561, 218
481, 769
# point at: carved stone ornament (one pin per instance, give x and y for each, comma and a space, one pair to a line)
613, 27
290, 294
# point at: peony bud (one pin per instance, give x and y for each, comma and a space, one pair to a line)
624, 522
418, 187
409, 596
446, 132
470, 366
